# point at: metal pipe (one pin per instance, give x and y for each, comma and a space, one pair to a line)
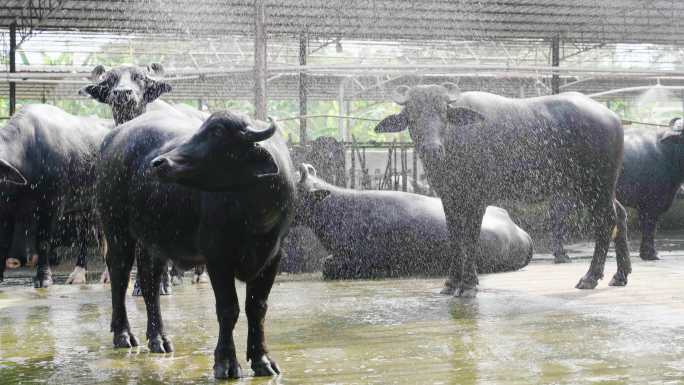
632, 89
352, 171
13, 67
342, 105
555, 62
441, 69
302, 88
260, 58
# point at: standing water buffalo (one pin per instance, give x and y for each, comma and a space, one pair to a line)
226, 201
131, 92
652, 172
377, 234
47, 157
479, 148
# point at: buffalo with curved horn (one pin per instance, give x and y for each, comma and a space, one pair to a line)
479, 148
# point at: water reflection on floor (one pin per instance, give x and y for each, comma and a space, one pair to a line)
525, 327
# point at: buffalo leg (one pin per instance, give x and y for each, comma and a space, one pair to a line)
120, 256
227, 311
255, 307
6, 232
559, 210
200, 275
150, 270
164, 285
648, 221
624, 265
45, 228
176, 275
78, 276
603, 214
464, 224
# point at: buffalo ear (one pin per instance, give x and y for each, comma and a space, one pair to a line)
671, 137
155, 89
393, 123
97, 92
97, 72
10, 174
156, 69
319, 195
462, 116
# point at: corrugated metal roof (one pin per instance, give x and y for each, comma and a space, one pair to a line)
214, 37
633, 21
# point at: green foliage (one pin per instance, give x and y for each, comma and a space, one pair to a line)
287, 112
647, 110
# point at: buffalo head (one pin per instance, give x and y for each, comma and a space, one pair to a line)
676, 133
428, 112
310, 191
223, 155
127, 89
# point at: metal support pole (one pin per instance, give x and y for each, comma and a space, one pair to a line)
555, 62
260, 69
415, 168
352, 170
13, 67
302, 89
342, 122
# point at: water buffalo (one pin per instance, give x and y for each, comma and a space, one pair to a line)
652, 172
479, 148
131, 91
377, 234
226, 201
46, 158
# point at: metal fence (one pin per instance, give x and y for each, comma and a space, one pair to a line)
364, 165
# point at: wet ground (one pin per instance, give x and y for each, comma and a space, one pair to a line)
525, 327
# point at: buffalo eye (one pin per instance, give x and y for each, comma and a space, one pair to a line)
138, 77
216, 133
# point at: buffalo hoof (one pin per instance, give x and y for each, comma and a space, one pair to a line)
449, 288
227, 369
137, 291
12, 263
77, 277
176, 280
125, 340
587, 283
104, 278
649, 256
562, 258
43, 282
200, 278
619, 279
265, 367
160, 344
32, 260
467, 292
165, 288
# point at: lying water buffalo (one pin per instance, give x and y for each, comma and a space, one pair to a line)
651, 175
226, 201
479, 148
47, 155
377, 234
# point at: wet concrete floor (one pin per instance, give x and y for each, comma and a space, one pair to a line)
525, 327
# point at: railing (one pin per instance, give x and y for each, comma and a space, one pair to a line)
350, 164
